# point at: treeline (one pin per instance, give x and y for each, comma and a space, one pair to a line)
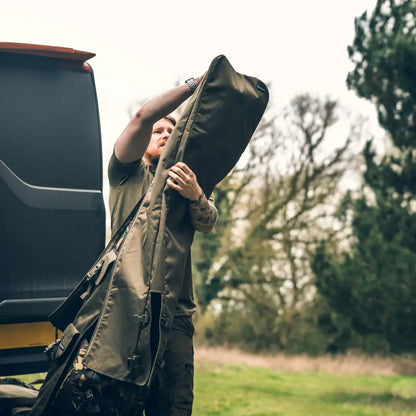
306, 257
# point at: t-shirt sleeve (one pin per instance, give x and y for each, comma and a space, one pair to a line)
119, 172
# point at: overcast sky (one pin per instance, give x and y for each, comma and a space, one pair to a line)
143, 47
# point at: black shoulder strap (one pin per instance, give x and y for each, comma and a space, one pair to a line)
116, 236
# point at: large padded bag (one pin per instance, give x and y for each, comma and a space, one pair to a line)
16, 397
132, 305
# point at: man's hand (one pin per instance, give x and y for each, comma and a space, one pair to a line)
182, 179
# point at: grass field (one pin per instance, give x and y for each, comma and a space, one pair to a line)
243, 390
231, 383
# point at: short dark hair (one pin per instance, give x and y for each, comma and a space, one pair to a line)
171, 119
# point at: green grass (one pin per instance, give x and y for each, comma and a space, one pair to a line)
29, 378
248, 391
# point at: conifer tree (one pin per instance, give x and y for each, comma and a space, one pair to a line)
373, 285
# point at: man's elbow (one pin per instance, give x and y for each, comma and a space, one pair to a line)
205, 227
142, 116
206, 230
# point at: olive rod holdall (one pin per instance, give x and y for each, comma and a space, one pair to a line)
132, 290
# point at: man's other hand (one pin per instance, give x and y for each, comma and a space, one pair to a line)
182, 179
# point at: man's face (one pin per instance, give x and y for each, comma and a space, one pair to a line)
160, 134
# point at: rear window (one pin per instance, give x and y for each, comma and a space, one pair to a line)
49, 128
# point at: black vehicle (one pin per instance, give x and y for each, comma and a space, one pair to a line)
52, 215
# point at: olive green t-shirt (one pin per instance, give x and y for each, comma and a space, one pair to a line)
128, 184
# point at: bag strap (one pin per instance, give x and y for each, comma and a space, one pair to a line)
111, 247
116, 236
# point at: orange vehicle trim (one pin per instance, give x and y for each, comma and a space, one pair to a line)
44, 50
25, 335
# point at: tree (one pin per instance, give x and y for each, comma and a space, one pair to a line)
373, 286
228, 196
261, 269
384, 56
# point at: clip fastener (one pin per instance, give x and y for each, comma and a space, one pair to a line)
144, 318
165, 321
132, 361
89, 394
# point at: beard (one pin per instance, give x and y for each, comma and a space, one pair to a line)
153, 155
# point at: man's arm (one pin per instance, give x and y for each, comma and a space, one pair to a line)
203, 212
132, 143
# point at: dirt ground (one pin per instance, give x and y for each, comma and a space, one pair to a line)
349, 363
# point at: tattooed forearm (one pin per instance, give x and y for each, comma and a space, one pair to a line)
203, 214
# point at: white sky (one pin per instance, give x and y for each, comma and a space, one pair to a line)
142, 48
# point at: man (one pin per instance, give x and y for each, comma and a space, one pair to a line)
137, 328
131, 170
